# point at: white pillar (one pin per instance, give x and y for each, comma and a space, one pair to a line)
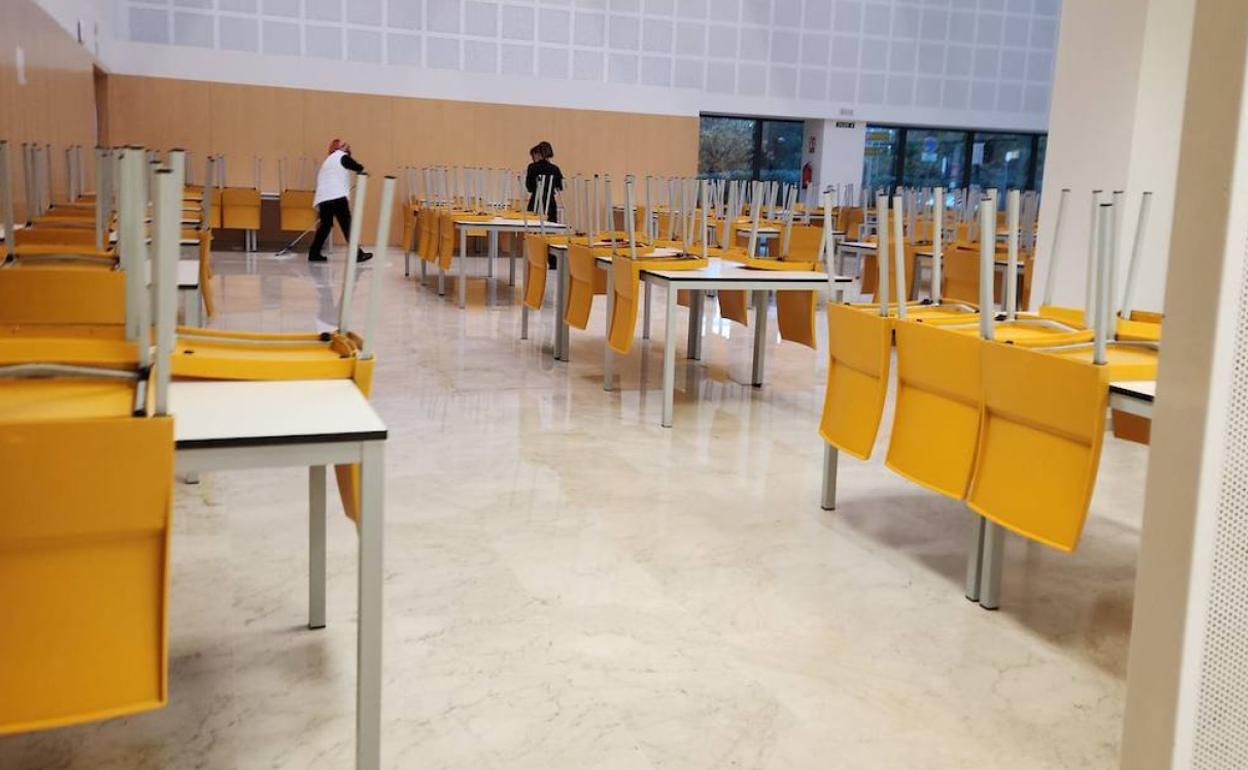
1187, 678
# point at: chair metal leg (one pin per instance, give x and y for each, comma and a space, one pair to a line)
608, 355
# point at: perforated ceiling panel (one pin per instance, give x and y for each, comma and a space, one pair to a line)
1221, 737
956, 55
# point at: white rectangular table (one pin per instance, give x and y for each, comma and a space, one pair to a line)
1133, 397
313, 424
719, 276
492, 228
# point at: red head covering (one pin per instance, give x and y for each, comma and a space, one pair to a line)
335, 146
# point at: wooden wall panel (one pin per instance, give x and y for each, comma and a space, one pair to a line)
388, 133
56, 103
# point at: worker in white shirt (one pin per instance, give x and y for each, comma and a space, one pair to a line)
333, 185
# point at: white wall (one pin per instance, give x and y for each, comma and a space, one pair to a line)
986, 64
837, 158
1118, 95
93, 17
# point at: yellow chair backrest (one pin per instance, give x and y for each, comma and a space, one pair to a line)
65, 295
936, 416
859, 347
84, 567
44, 235
804, 243
536, 249
446, 239
584, 281
240, 208
297, 211
626, 282
871, 272
1043, 421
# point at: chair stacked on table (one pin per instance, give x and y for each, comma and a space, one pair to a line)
1004, 411
87, 474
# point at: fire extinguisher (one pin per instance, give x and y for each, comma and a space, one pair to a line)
808, 175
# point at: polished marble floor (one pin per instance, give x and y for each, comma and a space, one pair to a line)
569, 585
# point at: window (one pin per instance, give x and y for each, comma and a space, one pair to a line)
726, 148
1042, 146
781, 156
879, 165
1001, 160
749, 148
934, 158
929, 157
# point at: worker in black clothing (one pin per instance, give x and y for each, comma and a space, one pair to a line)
333, 185
542, 167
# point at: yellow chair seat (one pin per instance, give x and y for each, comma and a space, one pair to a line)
936, 414
1043, 422
625, 286
859, 348
84, 553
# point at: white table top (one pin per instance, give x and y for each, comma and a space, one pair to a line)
721, 270
517, 223
1145, 390
209, 415
188, 273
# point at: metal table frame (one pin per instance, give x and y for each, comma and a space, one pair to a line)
316, 451
760, 283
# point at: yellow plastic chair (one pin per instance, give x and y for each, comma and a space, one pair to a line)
48, 240
84, 571
936, 415
536, 252
626, 283
296, 210
859, 347
62, 298
585, 281
240, 208
1042, 424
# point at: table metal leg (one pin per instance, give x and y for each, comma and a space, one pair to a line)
441, 280
669, 356
608, 356
694, 346
491, 239
645, 320
463, 268
761, 301
830, 457
369, 640
316, 546
561, 305
511, 263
